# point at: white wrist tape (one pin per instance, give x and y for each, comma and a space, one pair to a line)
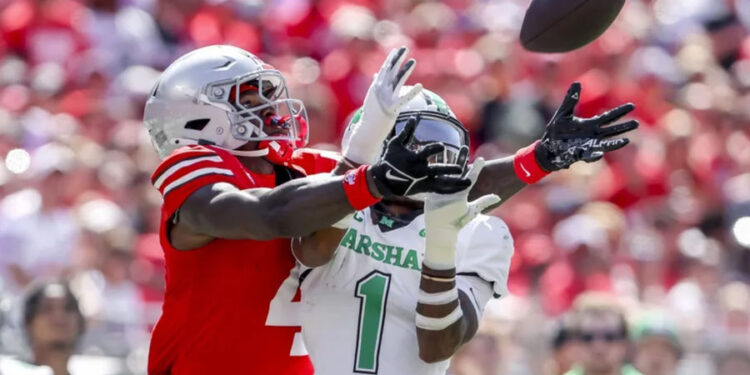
441, 234
439, 324
440, 248
343, 223
440, 298
442, 256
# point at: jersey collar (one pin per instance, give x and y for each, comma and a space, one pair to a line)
387, 221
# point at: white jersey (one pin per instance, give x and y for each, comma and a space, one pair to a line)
359, 310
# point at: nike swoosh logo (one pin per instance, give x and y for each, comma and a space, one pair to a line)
389, 175
525, 171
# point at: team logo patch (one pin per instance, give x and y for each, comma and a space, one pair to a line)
350, 178
386, 221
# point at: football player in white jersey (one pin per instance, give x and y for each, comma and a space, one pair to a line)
360, 308
400, 286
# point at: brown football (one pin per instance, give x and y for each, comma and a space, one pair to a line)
565, 25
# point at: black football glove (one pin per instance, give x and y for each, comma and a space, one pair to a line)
569, 139
402, 172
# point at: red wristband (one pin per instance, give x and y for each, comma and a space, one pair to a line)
357, 191
526, 167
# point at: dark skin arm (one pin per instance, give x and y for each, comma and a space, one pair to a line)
497, 177
293, 209
435, 346
317, 249
566, 140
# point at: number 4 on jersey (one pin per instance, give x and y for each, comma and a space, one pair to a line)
284, 313
372, 291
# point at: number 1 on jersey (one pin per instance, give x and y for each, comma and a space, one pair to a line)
372, 291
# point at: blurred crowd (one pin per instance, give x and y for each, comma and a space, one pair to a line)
663, 224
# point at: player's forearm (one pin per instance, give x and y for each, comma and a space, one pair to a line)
294, 209
497, 177
303, 206
439, 333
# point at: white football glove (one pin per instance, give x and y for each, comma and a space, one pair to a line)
445, 215
382, 105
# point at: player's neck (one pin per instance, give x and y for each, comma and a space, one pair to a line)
401, 206
397, 209
256, 164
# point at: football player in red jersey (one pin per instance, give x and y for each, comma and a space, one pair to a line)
235, 190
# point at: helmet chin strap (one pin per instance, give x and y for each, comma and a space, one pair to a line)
277, 152
247, 153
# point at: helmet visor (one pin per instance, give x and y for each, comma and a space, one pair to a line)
436, 128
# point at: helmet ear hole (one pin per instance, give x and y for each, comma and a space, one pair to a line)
197, 124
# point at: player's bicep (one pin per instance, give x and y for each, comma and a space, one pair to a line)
474, 293
470, 316
318, 248
221, 210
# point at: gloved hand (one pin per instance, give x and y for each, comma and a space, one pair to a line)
445, 215
381, 107
403, 171
569, 139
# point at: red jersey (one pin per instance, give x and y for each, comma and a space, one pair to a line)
230, 307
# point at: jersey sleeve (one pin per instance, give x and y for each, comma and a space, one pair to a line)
315, 161
485, 248
186, 170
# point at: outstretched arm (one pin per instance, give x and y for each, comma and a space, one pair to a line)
567, 139
296, 208
498, 177
303, 206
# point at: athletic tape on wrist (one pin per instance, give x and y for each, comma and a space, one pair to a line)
439, 324
440, 298
442, 257
356, 189
525, 165
440, 279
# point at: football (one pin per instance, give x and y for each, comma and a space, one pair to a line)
565, 25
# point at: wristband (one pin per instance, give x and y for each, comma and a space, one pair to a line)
356, 189
525, 165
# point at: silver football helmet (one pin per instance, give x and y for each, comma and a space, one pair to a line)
197, 101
